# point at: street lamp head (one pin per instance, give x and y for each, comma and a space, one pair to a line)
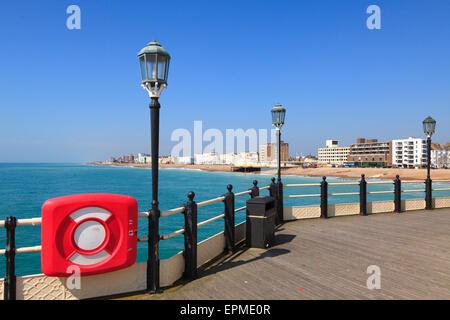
429, 124
154, 63
278, 114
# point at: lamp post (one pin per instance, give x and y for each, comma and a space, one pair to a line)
429, 125
154, 64
278, 115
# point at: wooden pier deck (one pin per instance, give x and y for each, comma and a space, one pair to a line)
328, 259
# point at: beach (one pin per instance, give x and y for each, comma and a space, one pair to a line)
370, 173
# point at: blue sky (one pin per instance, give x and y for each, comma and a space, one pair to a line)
75, 95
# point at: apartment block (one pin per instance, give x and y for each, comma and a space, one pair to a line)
269, 152
370, 153
332, 153
440, 159
128, 158
409, 153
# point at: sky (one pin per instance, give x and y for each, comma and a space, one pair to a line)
75, 95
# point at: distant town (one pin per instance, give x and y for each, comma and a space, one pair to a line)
399, 153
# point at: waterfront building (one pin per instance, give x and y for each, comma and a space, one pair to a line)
246, 159
269, 152
142, 158
227, 158
332, 154
183, 160
440, 159
166, 160
370, 153
207, 158
128, 158
409, 153
310, 159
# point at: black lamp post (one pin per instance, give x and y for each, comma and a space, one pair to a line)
429, 125
154, 63
278, 115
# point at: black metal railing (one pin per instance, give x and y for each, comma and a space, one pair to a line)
363, 192
191, 225
189, 209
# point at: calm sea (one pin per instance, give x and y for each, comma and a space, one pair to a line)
25, 187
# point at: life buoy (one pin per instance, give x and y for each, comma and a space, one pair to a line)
97, 232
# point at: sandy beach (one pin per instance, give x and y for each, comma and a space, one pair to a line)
371, 173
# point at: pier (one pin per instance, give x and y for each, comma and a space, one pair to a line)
328, 259
321, 251
245, 169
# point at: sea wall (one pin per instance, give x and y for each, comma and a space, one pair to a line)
131, 279
346, 209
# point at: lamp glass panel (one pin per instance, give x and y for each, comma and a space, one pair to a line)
142, 66
152, 71
162, 66
166, 76
282, 116
276, 117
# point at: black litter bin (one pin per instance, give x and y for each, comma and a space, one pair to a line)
260, 225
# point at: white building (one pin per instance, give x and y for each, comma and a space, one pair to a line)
240, 159
332, 153
246, 159
207, 158
440, 159
166, 160
141, 158
409, 153
183, 160
227, 158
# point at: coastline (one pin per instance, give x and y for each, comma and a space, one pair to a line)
370, 173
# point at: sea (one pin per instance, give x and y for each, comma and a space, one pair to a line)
24, 187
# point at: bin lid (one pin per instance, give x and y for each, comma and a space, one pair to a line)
260, 200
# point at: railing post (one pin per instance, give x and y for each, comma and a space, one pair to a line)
10, 253
153, 251
397, 194
428, 194
273, 191
190, 238
229, 219
363, 196
280, 202
324, 198
273, 188
254, 190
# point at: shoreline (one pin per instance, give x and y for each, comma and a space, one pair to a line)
351, 173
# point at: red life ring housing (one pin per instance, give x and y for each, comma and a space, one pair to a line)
96, 232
